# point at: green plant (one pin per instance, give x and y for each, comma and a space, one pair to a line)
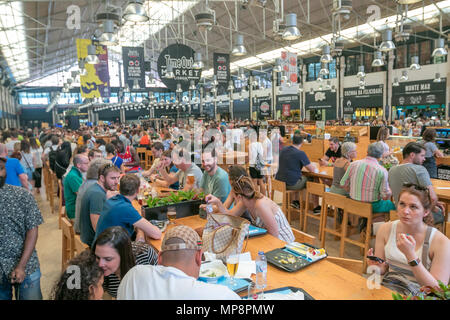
175, 198
427, 293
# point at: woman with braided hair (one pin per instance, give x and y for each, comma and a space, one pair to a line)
264, 213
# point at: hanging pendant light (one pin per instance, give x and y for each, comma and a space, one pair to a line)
300, 87
324, 70
415, 63
136, 84
135, 11
361, 73
328, 85
239, 48
291, 32
241, 74
437, 78
192, 85
215, 82
82, 67
126, 88
378, 59
311, 91
92, 57
284, 77
198, 63
333, 88
326, 56
169, 72
387, 44
319, 78
230, 85
439, 48
404, 76
277, 67
395, 83
108, 37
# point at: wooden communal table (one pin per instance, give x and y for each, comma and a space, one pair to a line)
323, 280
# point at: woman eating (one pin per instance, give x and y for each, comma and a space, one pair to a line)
264, 213
415, 253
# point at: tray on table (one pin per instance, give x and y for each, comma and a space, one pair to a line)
290, 260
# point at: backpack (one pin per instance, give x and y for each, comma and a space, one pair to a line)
52, 158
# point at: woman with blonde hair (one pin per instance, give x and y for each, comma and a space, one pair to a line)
264, 213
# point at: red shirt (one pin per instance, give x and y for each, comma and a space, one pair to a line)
127, 157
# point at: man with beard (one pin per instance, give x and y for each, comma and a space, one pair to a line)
215, 180
19, 221
412, 171
94, 199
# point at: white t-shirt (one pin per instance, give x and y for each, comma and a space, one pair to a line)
255, 148
146, 282
267, 148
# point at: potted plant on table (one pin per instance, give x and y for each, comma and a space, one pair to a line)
427, 293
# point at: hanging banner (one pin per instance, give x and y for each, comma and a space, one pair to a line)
264, 108
181, 58
222, 70
286, 110
320, 100
96, 83
289, 64
133, 66
291, 100
370, 96
424, 92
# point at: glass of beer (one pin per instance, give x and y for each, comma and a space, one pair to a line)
171, 215
190, 179
232, 266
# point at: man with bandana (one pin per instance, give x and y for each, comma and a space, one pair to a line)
19, 220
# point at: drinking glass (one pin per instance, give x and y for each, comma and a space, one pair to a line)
232, 266
171, 215
190, 179
140, 199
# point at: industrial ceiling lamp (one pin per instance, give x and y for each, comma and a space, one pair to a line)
169, 72
215, 82
437, 78
378, 59
319, 78
326, 56
291, 32
361, 73
108, 37
126, 88
239, 48
300, 87
230, 85
192, 85
408, 1
92, 57
284, 77
241, 74
414, 63
404, 76
136, 84
328, 85
277, 67
439, 48
135, 11
198, 63
395, 83
324, 70
387, 44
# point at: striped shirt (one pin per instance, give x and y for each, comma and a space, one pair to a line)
367, 179
284, 229
144, 255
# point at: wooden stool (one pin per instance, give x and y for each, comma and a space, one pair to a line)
67, 242
318, 189
300, 236
142, 153
280, 186
61, 208
338, 202
79, 246
361, 209
149, 159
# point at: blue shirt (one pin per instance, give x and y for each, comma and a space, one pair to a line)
13, 169
290, 165
176, 185
117, 211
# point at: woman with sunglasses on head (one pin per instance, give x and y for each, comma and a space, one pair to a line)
264, 213
415, 254
116, 254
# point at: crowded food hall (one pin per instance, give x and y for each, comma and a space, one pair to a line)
224, 150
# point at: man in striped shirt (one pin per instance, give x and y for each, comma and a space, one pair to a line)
367, 181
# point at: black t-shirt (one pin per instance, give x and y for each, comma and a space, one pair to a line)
291, 162
333, 155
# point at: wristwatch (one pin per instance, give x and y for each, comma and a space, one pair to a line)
414, 262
